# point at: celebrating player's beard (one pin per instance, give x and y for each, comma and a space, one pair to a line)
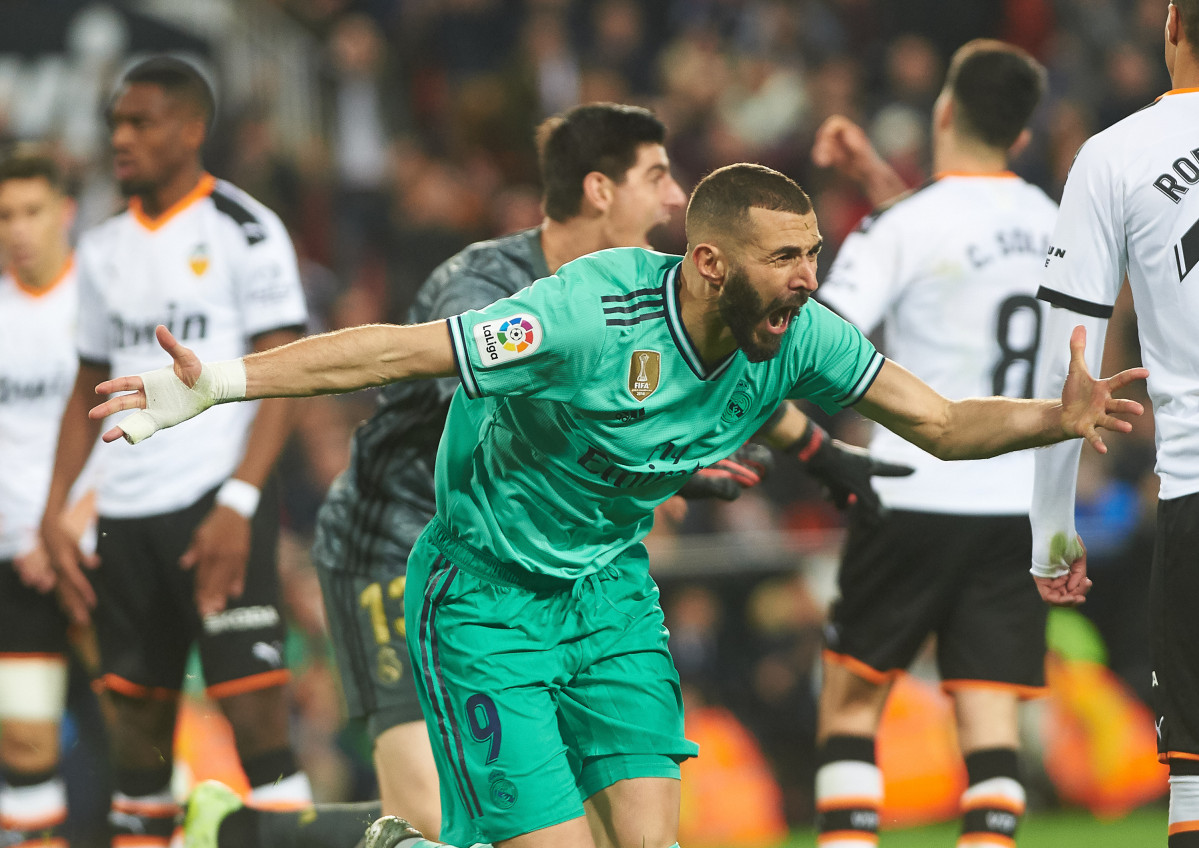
742, 309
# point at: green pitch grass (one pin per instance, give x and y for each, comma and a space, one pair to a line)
1142, 829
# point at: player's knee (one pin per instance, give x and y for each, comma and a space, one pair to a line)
647, 838
407, 773
258, 719
32, 693
644, 831
986, 718
141, 725
850, 705
28, 746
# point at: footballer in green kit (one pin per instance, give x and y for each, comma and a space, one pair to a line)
584, 404
586, 400
601, 407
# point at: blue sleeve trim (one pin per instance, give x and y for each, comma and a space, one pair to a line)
865, 381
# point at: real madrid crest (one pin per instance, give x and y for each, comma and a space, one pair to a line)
645, 372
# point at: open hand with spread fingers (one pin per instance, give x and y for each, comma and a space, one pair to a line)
1088, 404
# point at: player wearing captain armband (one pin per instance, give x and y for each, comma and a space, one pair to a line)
537, 642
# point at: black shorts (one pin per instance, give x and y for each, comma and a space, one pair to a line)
366, 622
30, 622
1174, 632
146, 617
962, 578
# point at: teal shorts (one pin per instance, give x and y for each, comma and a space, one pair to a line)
537, 692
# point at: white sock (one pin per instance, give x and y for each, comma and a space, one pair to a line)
293, 792
39, 806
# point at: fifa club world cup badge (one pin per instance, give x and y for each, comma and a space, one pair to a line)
645, 371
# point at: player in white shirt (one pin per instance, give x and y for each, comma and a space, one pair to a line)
949, 269
1131, 208
186, 553
37, 370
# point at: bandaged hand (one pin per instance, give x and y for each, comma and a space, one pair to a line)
170, 395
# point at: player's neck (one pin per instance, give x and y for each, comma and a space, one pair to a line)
699, 309
565, 241
1186, 69
47, 271
955, 155
177, 187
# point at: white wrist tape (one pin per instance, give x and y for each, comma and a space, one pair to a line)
170, 401
239, 496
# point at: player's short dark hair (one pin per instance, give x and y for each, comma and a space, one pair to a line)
995, 87
721, 201
603, 137
32, 164
1188, 16
180, 79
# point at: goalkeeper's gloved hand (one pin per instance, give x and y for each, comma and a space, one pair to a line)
747, 467
845, 471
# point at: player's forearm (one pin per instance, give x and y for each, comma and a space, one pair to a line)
977, 428
880, 182
76, 437
974, 428
1052, 513
1056, 477
786, 427
351, 359
272, 424
268, 434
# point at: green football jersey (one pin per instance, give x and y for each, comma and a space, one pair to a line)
584, 405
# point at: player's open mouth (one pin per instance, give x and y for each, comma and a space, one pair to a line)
780, 319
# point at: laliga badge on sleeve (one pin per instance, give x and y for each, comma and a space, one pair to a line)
502, 341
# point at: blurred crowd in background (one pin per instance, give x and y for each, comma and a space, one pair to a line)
388, 134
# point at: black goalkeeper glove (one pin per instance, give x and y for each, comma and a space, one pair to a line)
845, 471
747, 467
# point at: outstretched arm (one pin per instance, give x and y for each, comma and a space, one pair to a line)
977, 428
332, 363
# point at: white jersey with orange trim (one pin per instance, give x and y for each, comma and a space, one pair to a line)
951, 271
37, 371
1130, 208
217, 269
